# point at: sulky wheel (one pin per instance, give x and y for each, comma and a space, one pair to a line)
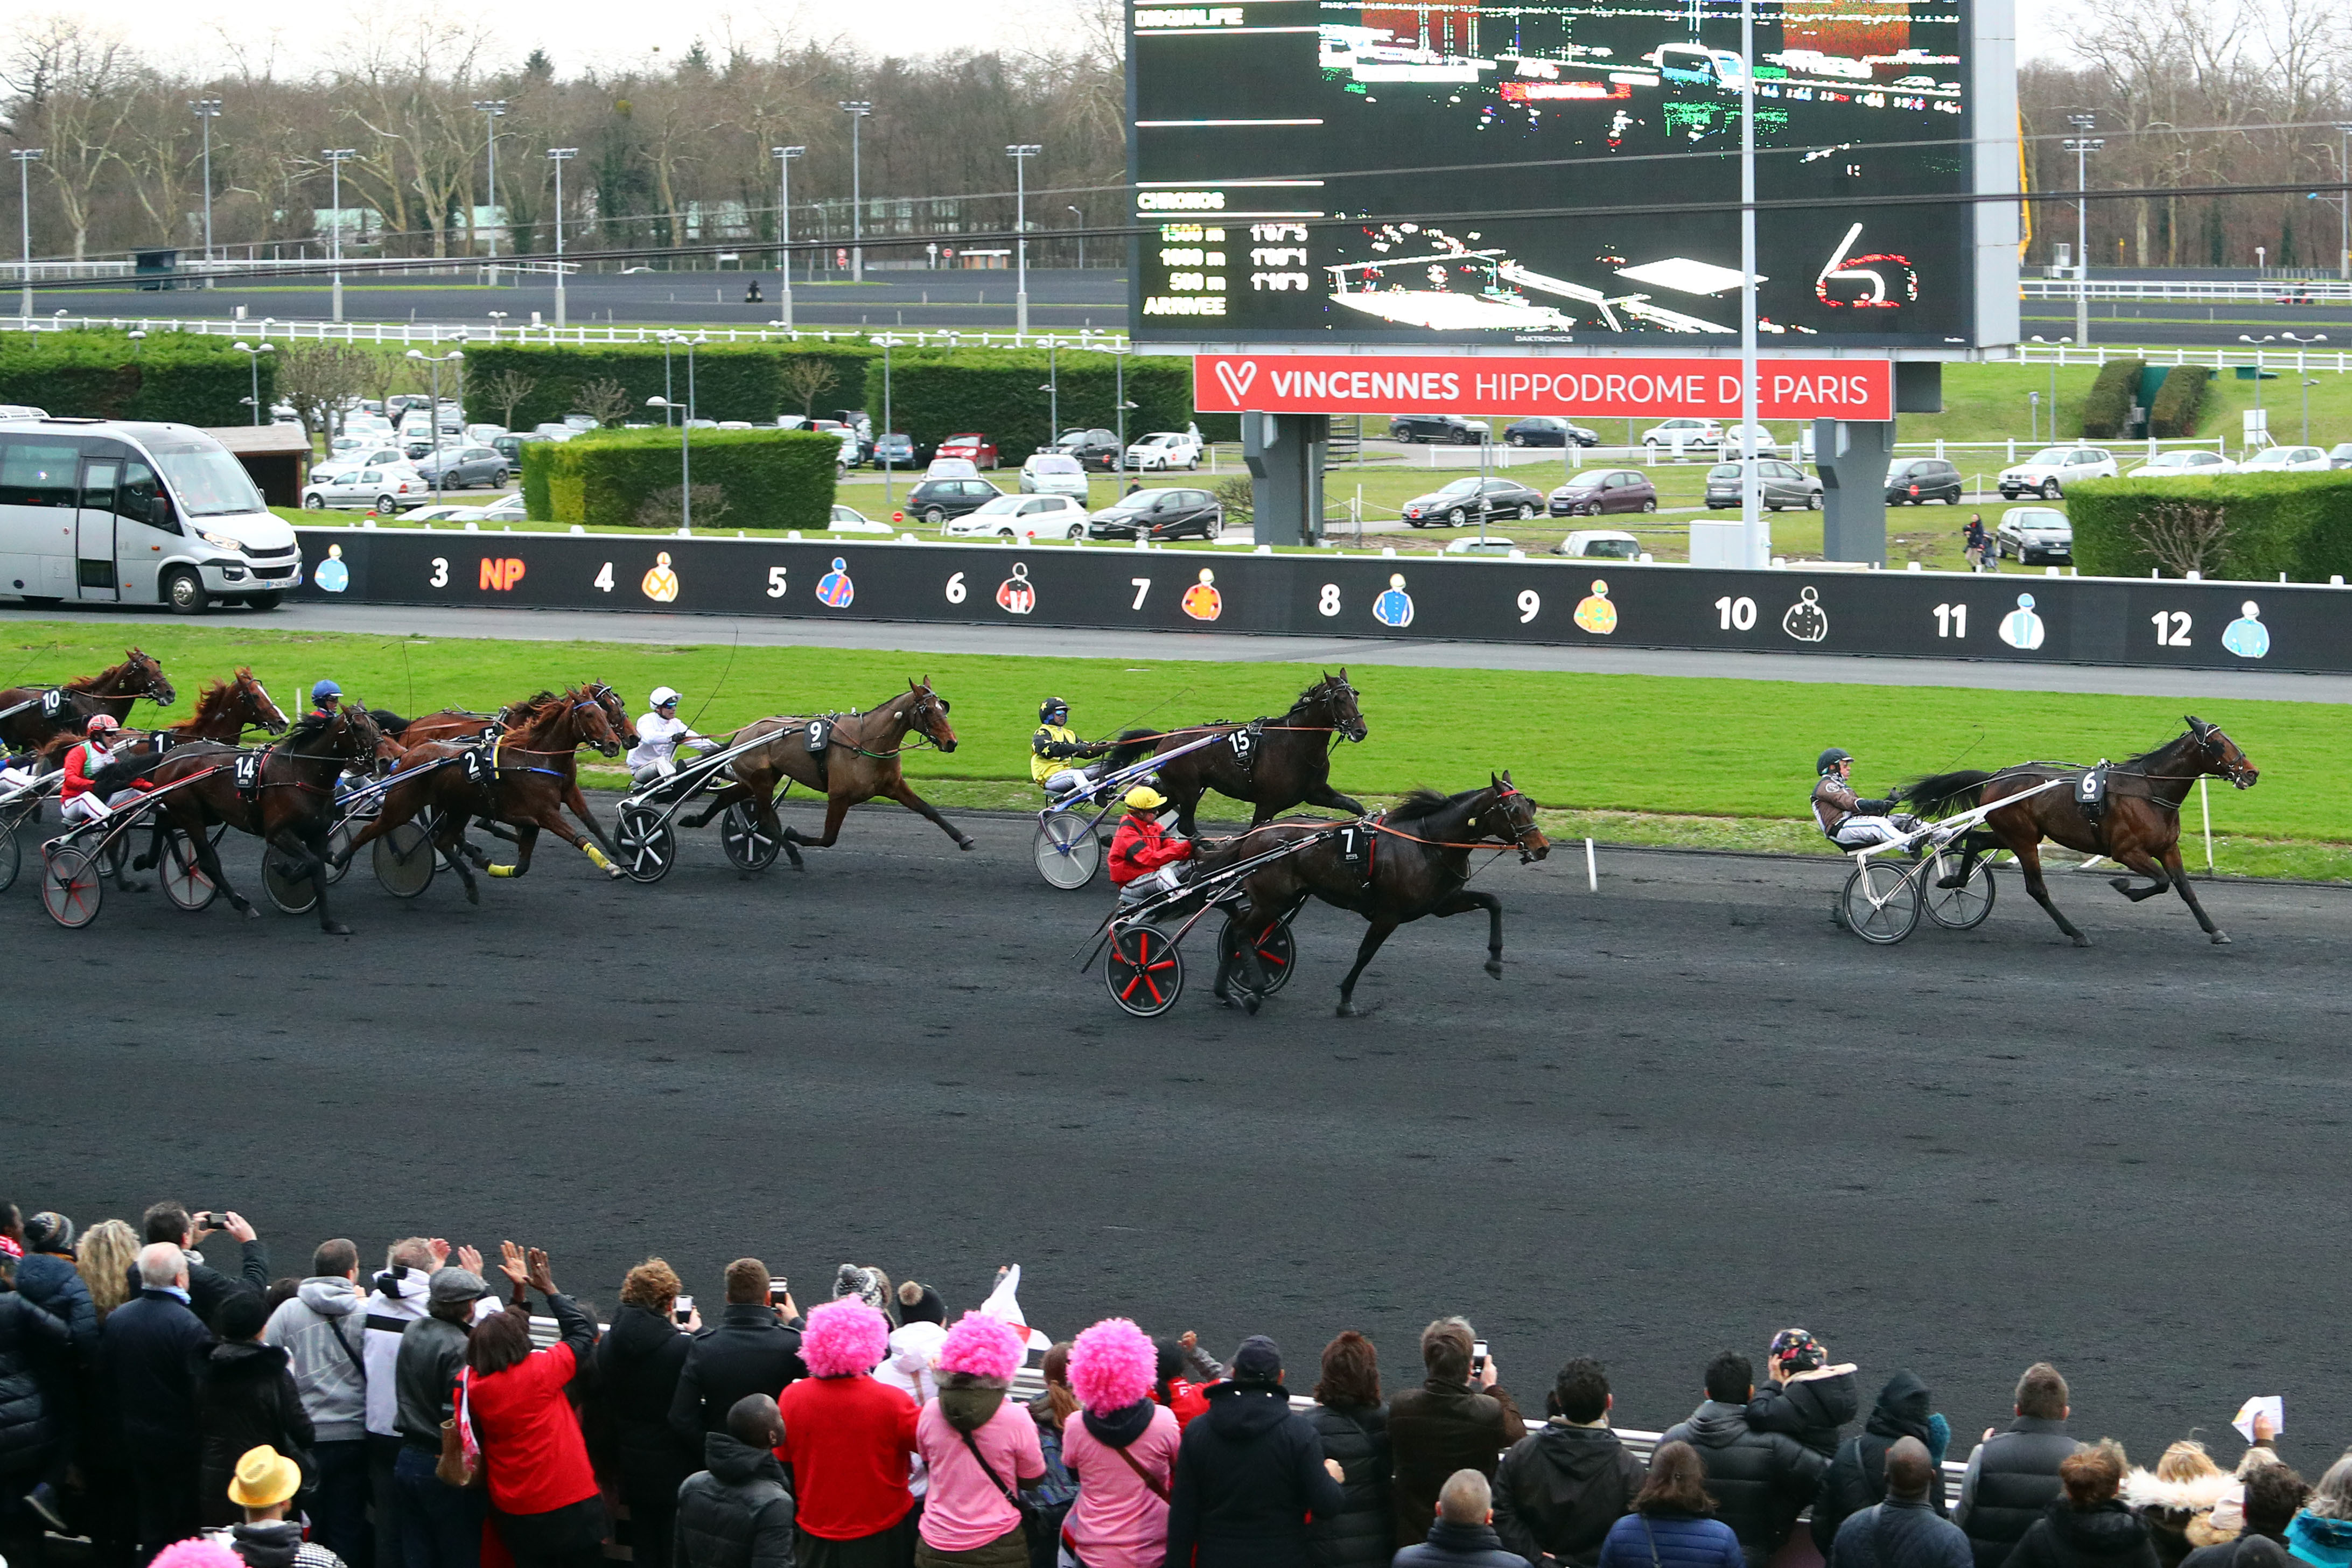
1881, 902
285, 882
1963, 907
184, 882
12, 856
404, 861
749, 845
1277, 954
71, 889
1144, 970
1068, 852
648, 843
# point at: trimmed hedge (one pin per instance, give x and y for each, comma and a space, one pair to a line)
2106, 409
938, 393
768, 478
2300, 524
732, 380
179, 378
2179, 402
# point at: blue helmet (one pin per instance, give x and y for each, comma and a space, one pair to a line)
325, 690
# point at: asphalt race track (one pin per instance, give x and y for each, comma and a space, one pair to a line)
1691, 1112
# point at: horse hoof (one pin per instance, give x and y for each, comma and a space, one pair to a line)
963, 843
336, 927
2220, 939
2082, 940
1251, 1002
1494, 967
248, 912
2119, 884
473, 894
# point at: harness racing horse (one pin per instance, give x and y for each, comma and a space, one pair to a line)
290, 806
458, 724
2141, 828
112, 690
1275, 764
1412, 860
225, 711
858, 761
530, 770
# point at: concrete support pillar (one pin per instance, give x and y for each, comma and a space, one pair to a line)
1852, 454
1285, 454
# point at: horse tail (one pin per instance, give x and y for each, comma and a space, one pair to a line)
1132, 746
1941, 792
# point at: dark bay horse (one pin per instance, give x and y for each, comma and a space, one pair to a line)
2140, 829
1413, 860
1291, 765
860, 763
112, 690
292, 807
461, 724
534, 769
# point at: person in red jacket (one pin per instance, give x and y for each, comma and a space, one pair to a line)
544, 1501
78, 799
847, 1441
1145, 857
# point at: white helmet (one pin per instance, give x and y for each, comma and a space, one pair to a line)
663, 697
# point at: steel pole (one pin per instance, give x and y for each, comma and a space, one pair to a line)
784, 234
2082, 241
1753, 528
335, 185
1021, 247
857, 209
25, 157
686, 449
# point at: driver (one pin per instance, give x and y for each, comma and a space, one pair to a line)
1056, 746
659, 735
78, 801
326, 700
1145, 857
1849, 822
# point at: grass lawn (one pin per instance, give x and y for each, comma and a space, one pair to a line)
1646, 758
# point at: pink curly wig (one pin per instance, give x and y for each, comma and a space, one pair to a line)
842, 1338
197, 1552
1112, 1366
981, 1346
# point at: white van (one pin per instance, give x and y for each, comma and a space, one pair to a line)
107, 513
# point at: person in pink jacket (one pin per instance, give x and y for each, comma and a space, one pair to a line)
981, 1449
1123, 1448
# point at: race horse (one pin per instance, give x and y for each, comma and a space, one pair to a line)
458, 723
522, 777
225, 711
112, 690
857, 760
1410, 861
1272, 763
2140, 829
290, 807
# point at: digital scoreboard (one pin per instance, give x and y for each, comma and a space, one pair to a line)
1425, 171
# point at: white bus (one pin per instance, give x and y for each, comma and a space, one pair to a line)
100, 511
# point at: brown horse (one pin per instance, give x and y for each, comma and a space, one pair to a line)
2141, 828
225, 711
533, 767
460, 724
112, 690
859, 762
1410, 861
291, 806
1275, 764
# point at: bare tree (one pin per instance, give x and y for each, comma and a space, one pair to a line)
76, 85
2183, 536
502, 389
604, 400
315, 379
805, 379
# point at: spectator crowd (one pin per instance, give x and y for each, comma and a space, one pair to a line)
176, 1413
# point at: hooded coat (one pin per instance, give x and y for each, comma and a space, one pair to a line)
1761, 1480
279, 1544
31, 1342
638, 1360
245, 1398
1361, 1533
1857, 1477
2325, 1541
1458, 1546
735, 1514
2107, 1536
1811, 1408
1560, 1489
1900, 1533
1249, 1474
2179, 1514
321, 1329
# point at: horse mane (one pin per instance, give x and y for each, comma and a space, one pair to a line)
92, 682
209, 701
1415, 803
1131, 747
2138, 764
1939, 792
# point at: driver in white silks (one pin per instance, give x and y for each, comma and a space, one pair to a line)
77, 800
1850, 821
659, 735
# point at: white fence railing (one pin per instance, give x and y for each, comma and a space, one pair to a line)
2244, 290
432, 332
2290, 357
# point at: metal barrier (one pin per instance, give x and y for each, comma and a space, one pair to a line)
428, 333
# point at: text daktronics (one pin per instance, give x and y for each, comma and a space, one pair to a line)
1635, 388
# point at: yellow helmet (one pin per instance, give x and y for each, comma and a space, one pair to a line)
1143, 797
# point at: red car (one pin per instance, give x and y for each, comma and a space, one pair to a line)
978, 449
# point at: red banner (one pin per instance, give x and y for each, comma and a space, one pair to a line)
1493, 383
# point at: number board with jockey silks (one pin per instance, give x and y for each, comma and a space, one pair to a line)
2012, 616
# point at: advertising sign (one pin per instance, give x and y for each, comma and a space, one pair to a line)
1620, 388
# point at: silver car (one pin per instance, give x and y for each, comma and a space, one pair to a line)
2031, 534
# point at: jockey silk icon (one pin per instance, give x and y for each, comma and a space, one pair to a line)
660, 584
333, 576
2245, 636
1202, 601
1595, 614
1015, 595
1806, 620
2021, 629
835, 588
1394, 608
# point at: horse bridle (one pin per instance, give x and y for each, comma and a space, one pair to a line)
2209, 740
1332, 689
1519, 839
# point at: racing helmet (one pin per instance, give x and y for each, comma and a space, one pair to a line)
1053, 711
662, 698
1143, 797
325, 690
100, 722
1830, 759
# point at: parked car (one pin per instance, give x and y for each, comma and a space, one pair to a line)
1679, 435
936, 499
849, 519
445, 514
2339, 455
1784, 484
1471, 498
951, 469
2048, 472
459, 466
1021, 517
1919, 480
483, 435
510, 449
580, 422
553, 432
380, 488
2030, 533
1052, 474
508, 507
1158, 514
1596, 490
1757, 442
1096, 450
894, 449
1492, 544
1549, 430
1445, 429
1600, 544
977, 448
1165, 449
2286, 460
2184, 462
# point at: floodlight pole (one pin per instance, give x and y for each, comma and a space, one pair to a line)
335, 157
559, 157
1753, 532
24, 157
784, 157
491, 109
207, 109
2083, 146
2344, 201
858, 110
1021, 153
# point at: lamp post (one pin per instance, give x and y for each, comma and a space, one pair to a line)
2082, 147
2344, 199
888, 451
1021, 153
492, 110
1118, 382
784, 157
455, 356
559, 156
26, 157
1082, 237
858, 110
207, 109
1757, 532
1052, 389
2301, 345
253, 365
335, 157
2059, 353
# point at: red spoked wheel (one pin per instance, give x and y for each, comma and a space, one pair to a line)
1145, 969
71, 886
1277, 955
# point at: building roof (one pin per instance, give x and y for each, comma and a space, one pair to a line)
264, 440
